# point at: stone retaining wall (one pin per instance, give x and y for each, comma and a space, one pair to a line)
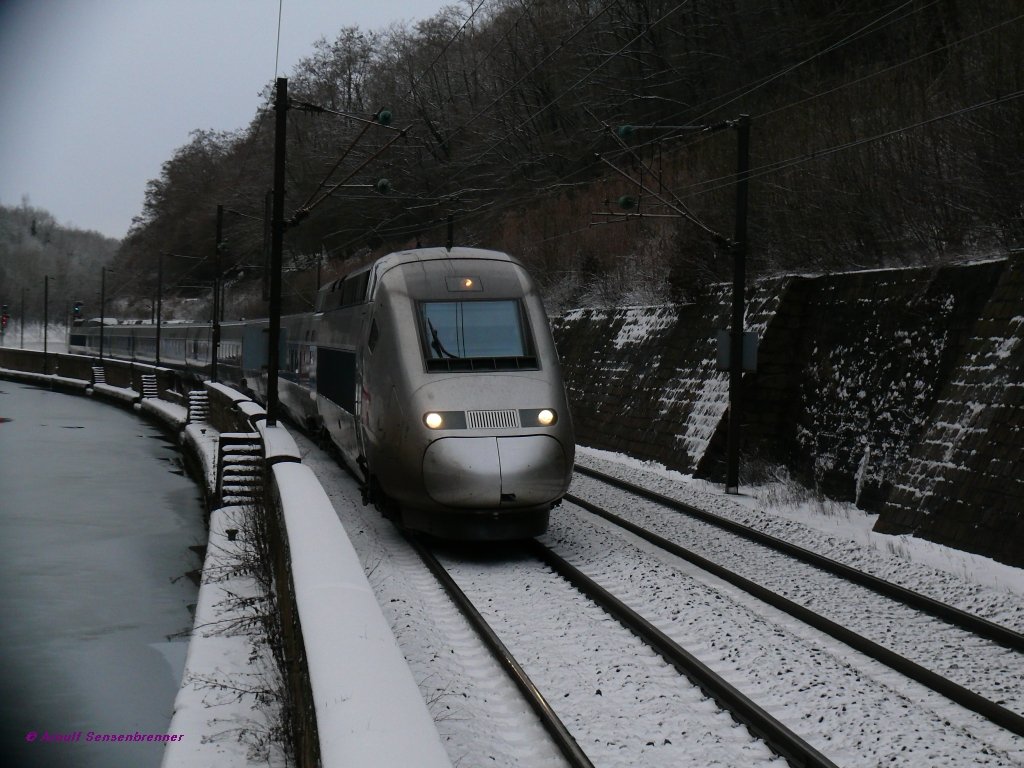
963, 482
119, 373
643, 380
898, 389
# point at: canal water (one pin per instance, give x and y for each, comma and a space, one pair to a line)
96, 521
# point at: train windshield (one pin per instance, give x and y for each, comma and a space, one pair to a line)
475, 335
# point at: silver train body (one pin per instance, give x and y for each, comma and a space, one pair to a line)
435, 375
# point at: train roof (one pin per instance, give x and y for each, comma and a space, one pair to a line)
354, 285
434, 254
413, 255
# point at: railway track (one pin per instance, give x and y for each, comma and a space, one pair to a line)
989, 645
970, 622
856, 712
778, 737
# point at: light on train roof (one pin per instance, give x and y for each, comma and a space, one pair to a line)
463, 283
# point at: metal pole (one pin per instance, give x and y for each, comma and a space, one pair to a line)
215, 331
739, 251
159, 301
276, 247
268, 218
46, 324
22, 318
103, 306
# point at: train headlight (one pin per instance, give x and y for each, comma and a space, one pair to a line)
445, 419
537, 417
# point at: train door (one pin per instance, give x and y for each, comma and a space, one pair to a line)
364, 402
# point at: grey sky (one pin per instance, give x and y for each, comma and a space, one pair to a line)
97, 94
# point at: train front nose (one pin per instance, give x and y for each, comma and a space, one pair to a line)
521, 471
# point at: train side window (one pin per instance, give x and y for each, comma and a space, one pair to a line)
354, 290
362, 281
348, 292
374, 337
343, 292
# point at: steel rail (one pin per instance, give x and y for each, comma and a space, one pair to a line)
972, 623
965, 697
549, 719
780, 739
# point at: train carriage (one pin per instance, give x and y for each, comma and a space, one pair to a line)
434, 373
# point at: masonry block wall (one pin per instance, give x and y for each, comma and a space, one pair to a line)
963, 483
851, 374
850, 371
643, 380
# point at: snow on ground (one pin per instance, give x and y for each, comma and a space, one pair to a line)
624, 704
226, 705
367, 705
858, 712
843, 532
226, 712
368, 708
480, 715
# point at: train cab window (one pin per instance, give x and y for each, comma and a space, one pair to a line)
475, 335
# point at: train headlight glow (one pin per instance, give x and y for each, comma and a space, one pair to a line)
433, 420
546, 418
463, 283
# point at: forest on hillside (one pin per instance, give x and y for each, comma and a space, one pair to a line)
34, 246
882, 133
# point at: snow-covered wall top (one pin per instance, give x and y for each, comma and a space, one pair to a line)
369, 710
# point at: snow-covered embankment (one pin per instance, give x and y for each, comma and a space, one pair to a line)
368, 708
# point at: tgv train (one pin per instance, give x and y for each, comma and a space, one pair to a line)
434, 373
